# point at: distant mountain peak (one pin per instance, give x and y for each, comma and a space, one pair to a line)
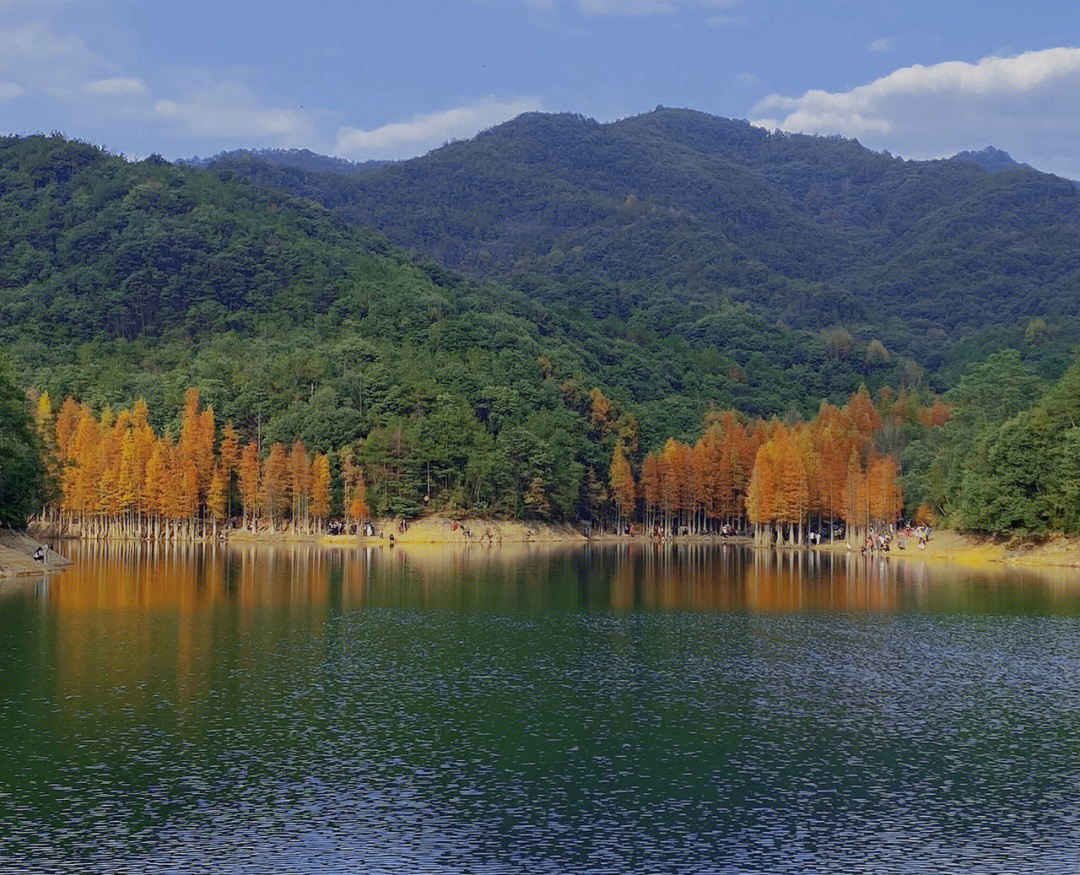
298, 159
990, 159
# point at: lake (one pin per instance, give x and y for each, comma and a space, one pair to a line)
537, 709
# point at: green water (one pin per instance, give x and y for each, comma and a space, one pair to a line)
553, 710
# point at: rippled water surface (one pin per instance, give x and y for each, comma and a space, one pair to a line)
548, 710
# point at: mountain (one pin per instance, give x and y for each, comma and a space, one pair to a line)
300, 159
989, 159
120, 280
641, 221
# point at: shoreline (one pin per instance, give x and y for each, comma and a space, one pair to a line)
17, 557
945, 545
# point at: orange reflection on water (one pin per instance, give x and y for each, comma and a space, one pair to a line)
729, 577
126, 612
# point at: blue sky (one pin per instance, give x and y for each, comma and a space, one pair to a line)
390, 80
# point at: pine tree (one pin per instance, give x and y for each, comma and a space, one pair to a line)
67, 421
601, 413
204, 450
229, 458
761, 493
43, 419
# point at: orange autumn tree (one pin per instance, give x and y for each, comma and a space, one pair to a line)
299, 486
358, 509
119, 479
249, 474
649, 488
216, 496
274, 488
320, 489
761, 494
623, 490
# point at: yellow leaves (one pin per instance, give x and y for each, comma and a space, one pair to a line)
43, 418
353, 478
601, 417
273, 492
217, 497
779, 473
320, 486
249, 476
622, 481
650, 481
355, 490
115, 464
156, 488
229, 452
299, 479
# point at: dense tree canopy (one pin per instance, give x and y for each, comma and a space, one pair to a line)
124, 280
1009, 458
658, 221
24, 479
621, 285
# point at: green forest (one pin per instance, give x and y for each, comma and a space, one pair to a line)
453, 322
672, 220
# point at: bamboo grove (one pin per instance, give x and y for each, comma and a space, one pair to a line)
118, 478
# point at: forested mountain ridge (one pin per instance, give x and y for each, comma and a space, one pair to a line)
989, 159
512, 394
121, 280
300, 159
638, 218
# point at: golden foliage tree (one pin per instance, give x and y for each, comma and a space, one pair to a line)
623, 489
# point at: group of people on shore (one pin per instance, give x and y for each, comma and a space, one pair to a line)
879, 540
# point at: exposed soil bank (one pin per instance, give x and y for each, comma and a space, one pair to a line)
1054, 552
17, 556
432, 530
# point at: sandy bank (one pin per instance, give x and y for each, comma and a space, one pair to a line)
440, 530
429, 530
16, 550
17, 556
969, 549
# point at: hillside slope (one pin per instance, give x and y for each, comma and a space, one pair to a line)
677, 208
124, 279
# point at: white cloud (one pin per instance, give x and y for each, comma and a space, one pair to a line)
424, 132
117, 86
748, 79
47, 62
199, 103
881, 45
1025, 104
35, 42
231, 110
